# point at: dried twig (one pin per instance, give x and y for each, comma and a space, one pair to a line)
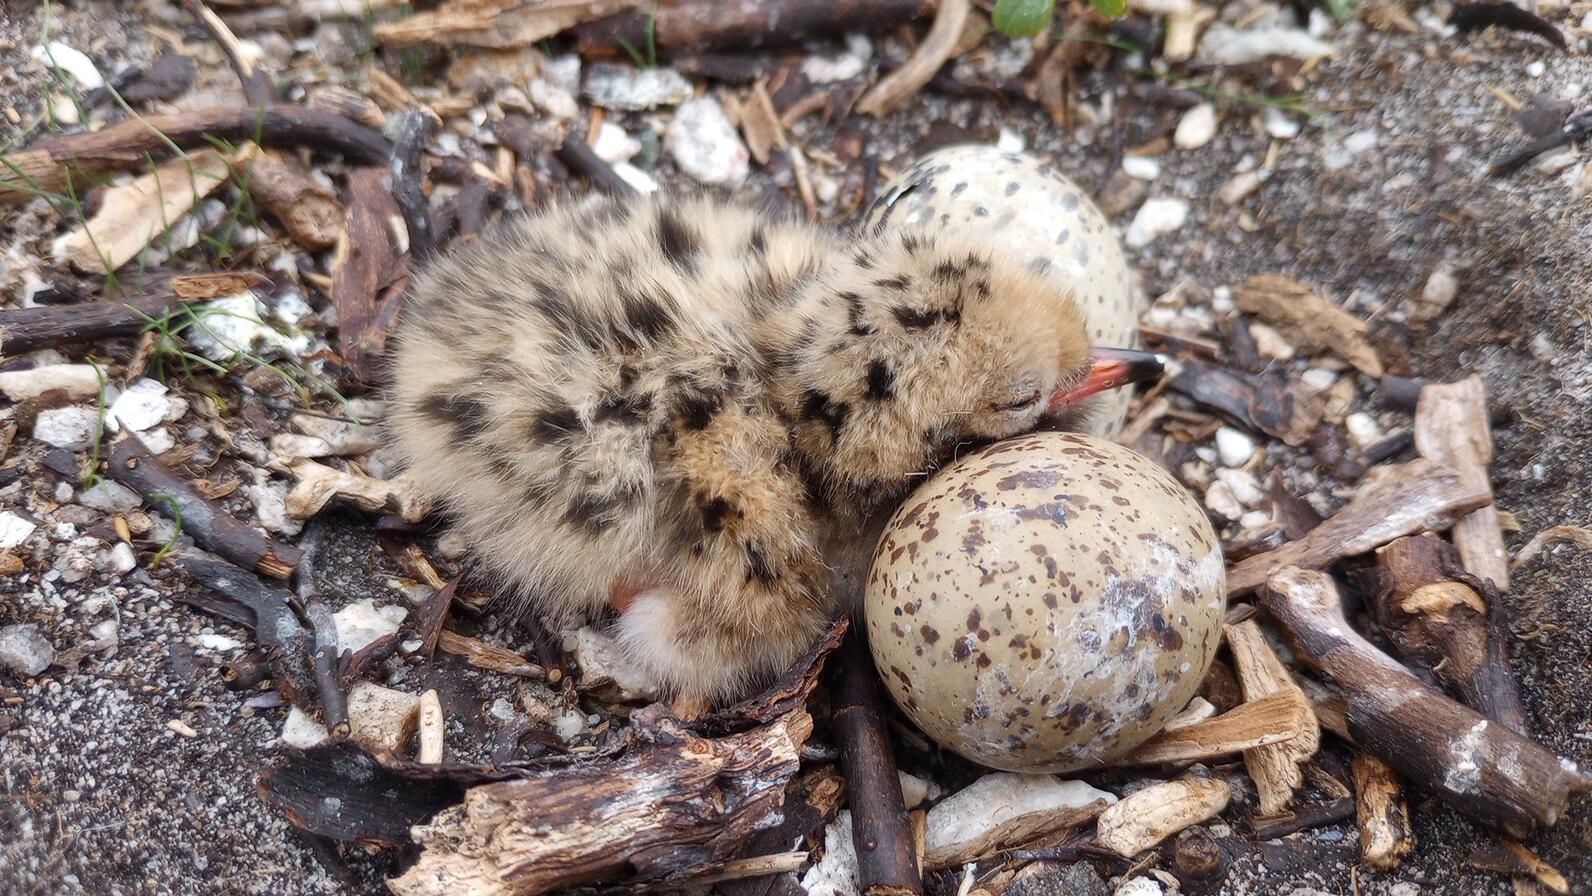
1481, 768
495, 23
577, 155
1272, 719
408, 180
212, 527
269, 612
487, 656
1441, 617
1476, 16
1270, 827
713, 24
367, 273
887, 862
46, 326
1312, 320
1417, 496
936, 48
46, 164
1263, 403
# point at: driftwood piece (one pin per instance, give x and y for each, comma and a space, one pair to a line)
498, 24
679, 25
316, 485
212, 527
408, 180
482, 655
675, 804
887, 861
1384, 819
368, 272
936, 48
1451, 428
269, 612
1513, 858
1260, 403
46, 326
1479, 767
1441, 617
1417, 496
307, 210
1276, 768
811, 803
1275, 718
1310, 319
134, 214
46, 164
1003, 810
1146, 817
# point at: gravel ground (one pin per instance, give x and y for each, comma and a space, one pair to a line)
135, 771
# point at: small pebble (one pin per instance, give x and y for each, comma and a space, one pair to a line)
1557, 160
1244, 486
75, 381
110, 497
122, 558
141, 406
1270, 342
1363, 431
56, 55
1238, 187
1221, 500
1155, 217
1255, 519
182, 728
71, 428
218, 643
159, 440
302, 730
1141, 167
614, 145
362, 622
1279, 124
24, 649
641, 180
1140, 886
1196, 128
1234, 446
703, 142
1318, 379
1536, 69
14, 530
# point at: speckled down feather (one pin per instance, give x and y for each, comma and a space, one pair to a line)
674, 409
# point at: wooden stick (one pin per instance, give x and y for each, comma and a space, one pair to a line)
482, 655
1439, 616
1272, 719
334, 702
886, 860
1479, 767
1312, 320
431, 728
712, 24
1259, 403
578, 156
47, 163
257, 88
1384, 819
1417, 496
307, 210
675, 804
408, 180
131, 464
1451, 428
1276, 768
1271, 827
276, 628
936, 48
47, 326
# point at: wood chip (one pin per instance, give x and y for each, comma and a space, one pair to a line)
317, 485
1384, 819
482, 655
1146, 817
1416, 496
1312, 321
1451, 428
1276, 768
1272, 719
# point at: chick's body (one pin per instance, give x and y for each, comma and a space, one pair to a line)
670, 409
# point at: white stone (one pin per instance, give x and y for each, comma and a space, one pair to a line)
994, 799
1196, 128
614, 144
362, 622
1360, 141
552, 99
1279, 124
836, 873
158, 440
630, 89
122, 558
301, 730
1234, 446
218, 643
1536, 68
602, 662
641, 180
1439, 292
1221, 501
24, 649
569, 725
703, 142
915, 790
110, 497
1010, 141
1239, 187
1557, 160
1254, 519
1140, 886
75, 381
563, 71
1224, 45
1154, 218
1319, 379
225, 327
63, 492
1141, 167
1245, 488
141, 406
1363, 431
14, 530
1271, 343
71, 61
828, 69
71, 427
381, 718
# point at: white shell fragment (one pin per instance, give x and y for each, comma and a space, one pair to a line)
1046, 603
14, 530
1024, 206
142, 405
1225, 45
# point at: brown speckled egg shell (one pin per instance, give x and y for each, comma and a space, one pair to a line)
1046, 603
1026, 206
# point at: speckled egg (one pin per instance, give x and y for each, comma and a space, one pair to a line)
1027, 206
1046, 603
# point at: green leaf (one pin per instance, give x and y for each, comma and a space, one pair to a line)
1111, 8
1342, 10
1022, 18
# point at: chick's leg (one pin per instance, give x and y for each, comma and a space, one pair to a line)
743, 592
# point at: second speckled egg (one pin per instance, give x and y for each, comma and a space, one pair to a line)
1027, 207
1046, 603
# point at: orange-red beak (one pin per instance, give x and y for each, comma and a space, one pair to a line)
1112, 367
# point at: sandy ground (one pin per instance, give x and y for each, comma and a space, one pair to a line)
99, 794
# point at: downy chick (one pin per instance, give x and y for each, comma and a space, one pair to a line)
676, 410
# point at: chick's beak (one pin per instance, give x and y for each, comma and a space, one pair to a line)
1110, 368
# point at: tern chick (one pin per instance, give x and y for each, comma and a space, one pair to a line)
678, 415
